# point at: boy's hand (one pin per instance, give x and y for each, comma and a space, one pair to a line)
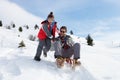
51, 37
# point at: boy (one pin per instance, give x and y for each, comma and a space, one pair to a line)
46, 33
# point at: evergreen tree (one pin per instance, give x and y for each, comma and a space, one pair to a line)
71, 32
12, 24
8, 27
21, 44
0, 23
32, 38
20, 29
18, 35
36, 27
26, 26
89, 40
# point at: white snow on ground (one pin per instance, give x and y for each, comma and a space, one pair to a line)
99, 62
18, 64
12, 13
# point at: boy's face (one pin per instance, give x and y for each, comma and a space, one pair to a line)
62, 32
50, 20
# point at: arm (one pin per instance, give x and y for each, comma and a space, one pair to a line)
70, 42
54, 29
45, 28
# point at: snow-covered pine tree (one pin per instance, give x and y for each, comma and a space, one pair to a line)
13, 25
8, 27
26, 26
71, 32
20, 29
21, 44
89, 40
0, 23
32, 38
36, 27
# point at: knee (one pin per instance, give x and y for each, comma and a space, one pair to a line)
77, 45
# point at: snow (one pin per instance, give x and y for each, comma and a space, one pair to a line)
12, 13
100, 62
105, 65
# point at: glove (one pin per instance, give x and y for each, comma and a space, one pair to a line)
50, 37
53, 39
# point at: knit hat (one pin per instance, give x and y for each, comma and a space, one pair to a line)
50, 15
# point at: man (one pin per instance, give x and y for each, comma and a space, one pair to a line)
65, 48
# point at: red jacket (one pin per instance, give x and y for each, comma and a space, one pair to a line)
42, 34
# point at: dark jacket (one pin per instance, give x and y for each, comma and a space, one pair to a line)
66, 41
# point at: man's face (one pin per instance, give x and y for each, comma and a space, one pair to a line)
62, 32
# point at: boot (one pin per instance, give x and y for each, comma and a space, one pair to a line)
60, 62
76, 62
37, 58
45, 54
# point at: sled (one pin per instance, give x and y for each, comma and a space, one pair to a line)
61, 62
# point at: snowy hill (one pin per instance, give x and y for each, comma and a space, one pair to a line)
11, 12
99, 62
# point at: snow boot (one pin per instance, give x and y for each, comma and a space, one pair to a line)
45, 54
37, 58
75, 63
60, 62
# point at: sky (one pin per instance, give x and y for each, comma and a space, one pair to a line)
82, 16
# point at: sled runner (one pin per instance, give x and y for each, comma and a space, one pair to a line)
60, 62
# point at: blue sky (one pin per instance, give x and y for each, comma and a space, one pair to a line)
81, 16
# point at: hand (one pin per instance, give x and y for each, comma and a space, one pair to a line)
66, 46
51, 37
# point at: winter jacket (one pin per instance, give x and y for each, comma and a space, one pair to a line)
47, 30
66, 42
